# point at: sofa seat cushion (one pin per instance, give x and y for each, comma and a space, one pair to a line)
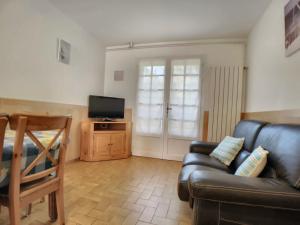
204, 160
183, 191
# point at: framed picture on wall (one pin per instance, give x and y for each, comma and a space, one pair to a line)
292, 27
64, 51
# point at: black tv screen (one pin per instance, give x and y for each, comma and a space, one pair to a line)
106, 107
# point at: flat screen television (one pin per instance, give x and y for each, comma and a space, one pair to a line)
106, 107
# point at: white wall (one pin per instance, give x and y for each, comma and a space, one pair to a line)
127, 60
28, 46
273, 79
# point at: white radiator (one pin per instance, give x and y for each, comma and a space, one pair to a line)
226, 100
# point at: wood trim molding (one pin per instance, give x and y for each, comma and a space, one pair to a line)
205, 126
281, 116
78, 112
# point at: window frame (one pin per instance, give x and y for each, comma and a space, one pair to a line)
166, 103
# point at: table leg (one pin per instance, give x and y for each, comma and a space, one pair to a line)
52, 207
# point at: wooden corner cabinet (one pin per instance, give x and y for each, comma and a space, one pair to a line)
105, 140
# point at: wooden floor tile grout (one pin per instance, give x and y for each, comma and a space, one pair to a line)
134, 191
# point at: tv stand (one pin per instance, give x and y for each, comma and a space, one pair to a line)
105, 140
107, 120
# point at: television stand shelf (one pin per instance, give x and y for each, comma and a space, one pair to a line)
105, 140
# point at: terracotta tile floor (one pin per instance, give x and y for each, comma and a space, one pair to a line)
139, 191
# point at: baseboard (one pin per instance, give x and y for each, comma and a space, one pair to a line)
157, 155
174, 157
72, 160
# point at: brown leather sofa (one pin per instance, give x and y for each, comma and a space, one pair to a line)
220, 198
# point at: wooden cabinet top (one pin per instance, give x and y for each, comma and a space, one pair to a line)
107, 122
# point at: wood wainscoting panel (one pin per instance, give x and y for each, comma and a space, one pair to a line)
281, 116
78, 112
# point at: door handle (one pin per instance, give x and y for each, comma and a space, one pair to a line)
168, 109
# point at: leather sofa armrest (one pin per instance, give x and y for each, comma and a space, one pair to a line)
267, 192
202, 147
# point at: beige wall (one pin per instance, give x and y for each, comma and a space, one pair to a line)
273, 79
28, 55
78, 113
127, 60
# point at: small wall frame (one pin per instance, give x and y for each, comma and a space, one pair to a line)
64, 51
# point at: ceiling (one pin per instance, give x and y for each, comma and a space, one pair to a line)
117, 22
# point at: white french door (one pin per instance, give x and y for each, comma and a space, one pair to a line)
168, 107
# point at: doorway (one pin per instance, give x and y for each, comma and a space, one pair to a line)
168, 106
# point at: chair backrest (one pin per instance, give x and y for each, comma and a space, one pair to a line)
28, 124
3, 123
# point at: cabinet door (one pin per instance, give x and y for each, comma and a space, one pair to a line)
101, 146
117, 142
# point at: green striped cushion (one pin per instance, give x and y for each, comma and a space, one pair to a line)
254, 164
228, 149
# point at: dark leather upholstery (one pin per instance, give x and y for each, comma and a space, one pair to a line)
204, 160
273, 198
240, 158
207, 212
283, 144
202, 147
249, 129
254, 191
246, 128
183, 178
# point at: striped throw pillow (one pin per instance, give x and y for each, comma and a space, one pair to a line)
228, 149
254, 164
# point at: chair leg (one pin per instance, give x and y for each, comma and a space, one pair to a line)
52, 207
28, 210
15, 214
60, 206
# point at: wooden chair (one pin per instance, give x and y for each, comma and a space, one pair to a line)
24, 188
3, 124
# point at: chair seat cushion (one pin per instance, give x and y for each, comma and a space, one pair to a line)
183, 191
204, 160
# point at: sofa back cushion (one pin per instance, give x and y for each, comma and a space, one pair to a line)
283, 143
249, 129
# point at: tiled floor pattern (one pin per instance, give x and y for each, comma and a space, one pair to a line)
134, 191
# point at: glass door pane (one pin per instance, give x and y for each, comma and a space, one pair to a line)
150, 97
184, 100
